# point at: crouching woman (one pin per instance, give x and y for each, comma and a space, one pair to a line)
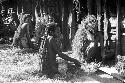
52, 49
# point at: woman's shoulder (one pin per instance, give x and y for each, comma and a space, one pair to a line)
51, 39
25, 24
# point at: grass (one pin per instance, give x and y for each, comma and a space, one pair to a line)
14, 66
24, 68
120, 65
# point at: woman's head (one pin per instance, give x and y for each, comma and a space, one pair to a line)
51, 28
27, 18
90, 23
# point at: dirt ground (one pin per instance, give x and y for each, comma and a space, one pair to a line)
83, 77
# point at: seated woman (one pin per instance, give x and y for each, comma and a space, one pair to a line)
85, 43
51, 49
21, 37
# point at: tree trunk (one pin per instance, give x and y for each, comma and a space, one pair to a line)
91, 7
118, 34
98, 3
27, 4
73, 25
65, 29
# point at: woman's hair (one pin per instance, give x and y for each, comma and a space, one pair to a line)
26, 16
89, 19
51, 28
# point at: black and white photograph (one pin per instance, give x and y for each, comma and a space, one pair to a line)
62, 41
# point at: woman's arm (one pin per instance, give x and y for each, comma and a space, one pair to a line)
62, 55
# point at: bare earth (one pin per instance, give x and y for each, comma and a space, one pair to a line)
21, 71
